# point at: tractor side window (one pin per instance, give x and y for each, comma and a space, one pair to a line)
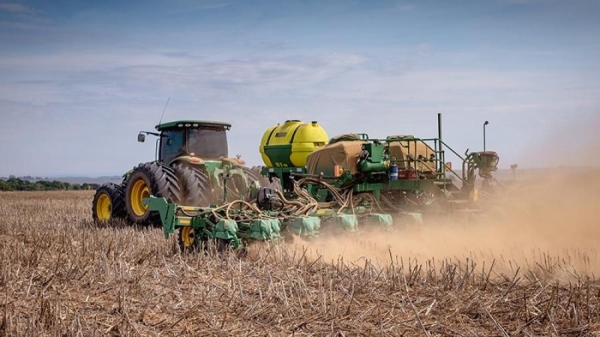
172, 144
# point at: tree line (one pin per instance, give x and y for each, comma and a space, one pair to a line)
17, 184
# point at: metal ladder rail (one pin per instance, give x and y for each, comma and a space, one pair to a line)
463, 181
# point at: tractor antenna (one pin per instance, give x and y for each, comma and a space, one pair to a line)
165, 109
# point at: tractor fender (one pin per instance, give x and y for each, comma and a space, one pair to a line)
188, 159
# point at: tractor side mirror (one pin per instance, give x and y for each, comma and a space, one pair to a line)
141, 137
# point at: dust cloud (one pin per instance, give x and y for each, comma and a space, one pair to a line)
547, 220
550, 224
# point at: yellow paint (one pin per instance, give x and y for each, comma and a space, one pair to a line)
474, 194
139, 191
188, 237
103, 207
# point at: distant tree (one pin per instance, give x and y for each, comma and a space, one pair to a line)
88, 186
4, 186
44, 185
55, 185
18, 184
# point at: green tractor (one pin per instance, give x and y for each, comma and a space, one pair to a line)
191, 167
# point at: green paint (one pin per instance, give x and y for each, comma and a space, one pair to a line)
279, 154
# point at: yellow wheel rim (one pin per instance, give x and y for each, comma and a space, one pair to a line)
103, 207
139, 191
188, 237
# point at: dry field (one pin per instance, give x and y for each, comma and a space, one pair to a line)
530, 272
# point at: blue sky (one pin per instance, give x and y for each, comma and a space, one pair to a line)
79, 79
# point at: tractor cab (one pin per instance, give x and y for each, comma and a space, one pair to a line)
199, 139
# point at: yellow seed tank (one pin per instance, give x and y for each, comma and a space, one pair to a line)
288, 144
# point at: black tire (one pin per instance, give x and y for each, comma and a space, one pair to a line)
237, 186
223, 245
251, 176
147, 179
245, 185
108, 203
254, 173
195, 189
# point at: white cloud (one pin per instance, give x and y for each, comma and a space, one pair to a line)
404, 7
88, 81
214, 6
186, 6
22, 18
91, 61
109, 76
15, 8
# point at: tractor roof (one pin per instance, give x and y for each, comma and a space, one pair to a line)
191, 123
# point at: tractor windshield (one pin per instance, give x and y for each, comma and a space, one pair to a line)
207, 143
203, 142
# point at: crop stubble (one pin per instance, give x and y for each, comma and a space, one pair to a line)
61, 275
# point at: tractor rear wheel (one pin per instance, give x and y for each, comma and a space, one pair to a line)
194, 185
248, 184
108, 203
254, 174
251, 176
148, 179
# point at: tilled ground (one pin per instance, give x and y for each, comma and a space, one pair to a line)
60, 275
